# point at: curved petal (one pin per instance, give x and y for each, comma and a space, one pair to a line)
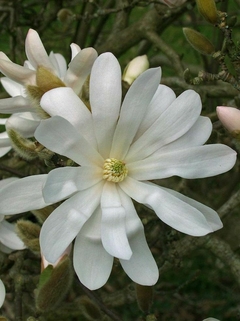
105, 99
113, 225
79, 69
162, 99
4, 150
9, 238
75, 49
134, 105
17, 73
5, 141
64, 223
16, 104
59, 63
170, 209
92, 263
36, 52
141, 267
58, 135
23, 124
23, 195
2, 293
210, 215
197, 135
12, 87
177, 119
63, 182
194, 162
65, 103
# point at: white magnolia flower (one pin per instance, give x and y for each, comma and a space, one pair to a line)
2, 293
20, 77
152, 135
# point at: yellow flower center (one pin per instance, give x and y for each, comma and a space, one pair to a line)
114, 170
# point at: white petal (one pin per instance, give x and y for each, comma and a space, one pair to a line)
161, 100
64, 223
6, 181
23, 125
210, 215
177, 119
91, 262
105, 99
36, 52
16, 104
23, 195
113, 225
17, 73
5, 140
4, 150
133, 110
65, 103
75, 49
194, 162
196, 136
58, 135
79, 69
141, 267
59, 63
171, 210
8, 236
12, 87
63, 182
2, 293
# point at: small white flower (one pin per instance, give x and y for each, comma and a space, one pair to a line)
152, 135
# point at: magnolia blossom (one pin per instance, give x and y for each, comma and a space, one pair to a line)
229, 117
20, 78
173, 3
9, 241
135, 67
120, 147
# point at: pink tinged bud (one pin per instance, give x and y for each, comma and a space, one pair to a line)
135, 68
173, 3
230, 118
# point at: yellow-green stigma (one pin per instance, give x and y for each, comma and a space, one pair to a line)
114, 170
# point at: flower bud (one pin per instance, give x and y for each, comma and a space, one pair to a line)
210, 319
135, 68
89, 309
54, 284
29, 234
173, 3
65, 15
208, 10
230, 118
198, 41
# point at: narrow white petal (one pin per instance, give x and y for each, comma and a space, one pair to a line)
36, 52
2, 293
59, 63
63, 182
210, 215
8, 236
65, 103
4, 150
113, 225
141, 267
105, 99
64, 223
58, 135
194, 162
161, 100
23, 124
16, 104
170, 209
75, 49
133, 110
92, 263
23, 195
177, 119
80, 68
196, 136
17, 73
12, 87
